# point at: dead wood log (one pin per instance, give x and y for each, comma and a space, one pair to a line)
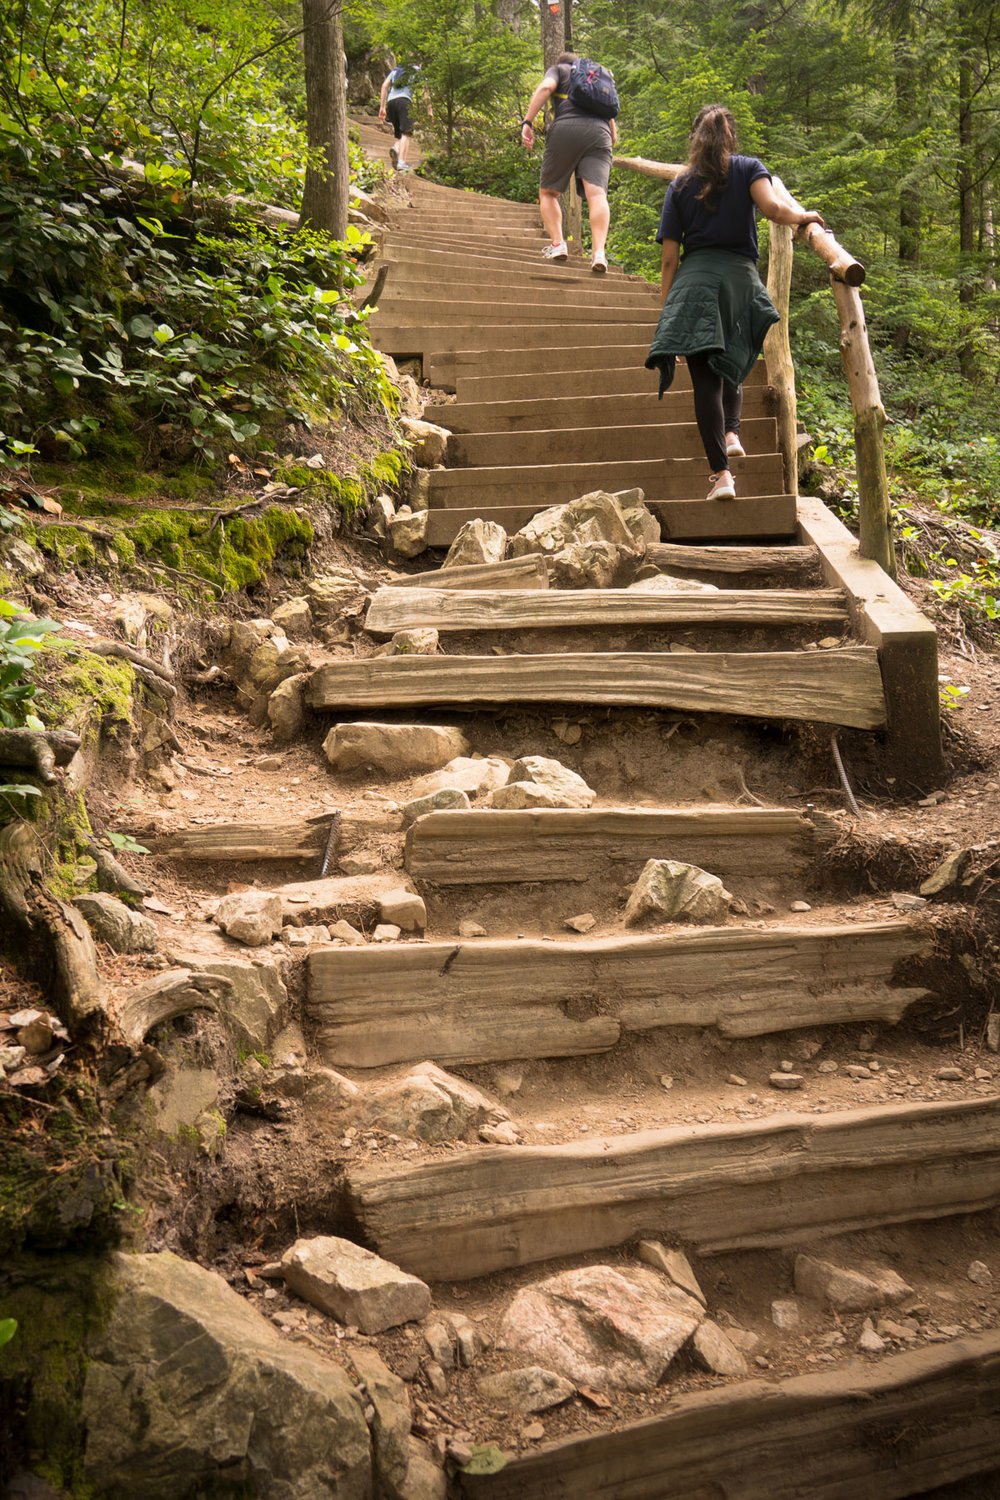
130, 654
50, 938
41, 751
167, 996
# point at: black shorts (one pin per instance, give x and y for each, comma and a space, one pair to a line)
400, 113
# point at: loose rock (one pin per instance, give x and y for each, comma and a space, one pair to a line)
520, 795
716, 1352
355, 1286
477, 542
541, 771
669, 890
404, 909
674, 1264
387, 932
430, 1104
418, 642
286, 709
347, 934
448, 799
590, 565
979, 1273
428, 441
250, 917
601, 1326
529, 1389
785, 1313
848, 1289
585, 922
408, 532
396, 749
294, 617
466, 773
787, 1081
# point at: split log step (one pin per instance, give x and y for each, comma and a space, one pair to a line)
418, 283
831, 687
777, 560
575, 445
448, 609
516, 573
716, 1187
501, 1001
492, 846
903, 1426
399, 313
582, 410
241, 842
428, 339
448, 365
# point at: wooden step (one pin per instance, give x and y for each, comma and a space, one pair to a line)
515, 573
620, 366
830, 687
233, 843
491, 847
448, 609
531, 307
415, 258
700, 520
790, 561
544, 412
419, 284
900, 1426
660, 478
478, 1002
715, 1187
569, 445
436, 339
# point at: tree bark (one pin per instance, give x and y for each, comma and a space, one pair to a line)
553, 33
509, 12
966, 206
325, 197
869, 420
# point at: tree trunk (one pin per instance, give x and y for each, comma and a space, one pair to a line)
568, 27
509, 13
553, 35
966, 207
325, 197
905, 79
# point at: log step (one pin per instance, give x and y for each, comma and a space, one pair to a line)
515, 573
661, 479
242, 842
510, 1000
758, 516
716, 1187
448, 609
832, 687
493, 846
779, 560
903, 1426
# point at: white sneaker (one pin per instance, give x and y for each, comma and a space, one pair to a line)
735, 449
599, 264
556, 252
720, 489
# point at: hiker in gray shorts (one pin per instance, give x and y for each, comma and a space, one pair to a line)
577, 143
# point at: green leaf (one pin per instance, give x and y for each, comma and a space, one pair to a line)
8, 1328
141, 326
487, 1458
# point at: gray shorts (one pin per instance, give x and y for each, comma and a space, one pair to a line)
580, 146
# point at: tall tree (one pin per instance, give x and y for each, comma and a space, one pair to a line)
325, 195
553, 31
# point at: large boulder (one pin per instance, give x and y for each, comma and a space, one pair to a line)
596, 517
286, 709
428, 441
601, 1326
477, 542
408, 532
668, 890
116, 924
565, 784
354, 1285
294, 616
335, 596
396, 749
592, 565
189, 1391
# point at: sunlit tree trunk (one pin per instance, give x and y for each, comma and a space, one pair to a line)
553, 34
509, 12
325, 196
966, 205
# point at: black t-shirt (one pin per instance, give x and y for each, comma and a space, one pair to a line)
726, 223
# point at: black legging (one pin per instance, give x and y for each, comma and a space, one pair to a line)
717, 408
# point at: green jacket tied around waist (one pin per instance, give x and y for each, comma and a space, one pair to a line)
717, 306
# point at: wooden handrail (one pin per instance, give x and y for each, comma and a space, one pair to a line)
846, 275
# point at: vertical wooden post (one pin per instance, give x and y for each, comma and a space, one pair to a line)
778, 352
869, 420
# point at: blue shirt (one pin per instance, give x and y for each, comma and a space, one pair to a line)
727, 222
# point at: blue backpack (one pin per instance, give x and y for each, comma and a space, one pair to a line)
592, 89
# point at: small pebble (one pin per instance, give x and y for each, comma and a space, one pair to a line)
666, 1082
736, 1081
950, 1075
533, 1433
858, 1071
800, 906
785, 1313
870, 1342
786, 1066
829, 1066
586, 922
785, 1080
979, 1273
469, 929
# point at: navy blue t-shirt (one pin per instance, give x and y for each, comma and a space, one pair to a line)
727, 223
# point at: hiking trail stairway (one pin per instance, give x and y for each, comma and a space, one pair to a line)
552, 401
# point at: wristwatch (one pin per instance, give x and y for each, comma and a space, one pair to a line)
528, 123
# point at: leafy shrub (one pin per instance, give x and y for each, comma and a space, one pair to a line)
20, 638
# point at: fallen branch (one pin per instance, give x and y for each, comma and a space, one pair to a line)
130, 654
111, 877
169, 995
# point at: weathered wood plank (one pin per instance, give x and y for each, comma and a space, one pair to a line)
514, 609
834, 687
717, 1187
904, 1426
236, 842
787, 560
516, 573
700, 520
489, 847
493, 1001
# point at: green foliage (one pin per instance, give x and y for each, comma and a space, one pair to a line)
21, 637
125, 843
8, 1328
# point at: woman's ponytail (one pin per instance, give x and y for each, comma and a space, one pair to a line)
710, 145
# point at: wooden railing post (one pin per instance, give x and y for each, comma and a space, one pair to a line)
778, 353
869, 419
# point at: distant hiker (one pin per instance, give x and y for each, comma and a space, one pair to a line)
579, 142
715, 309
396, 102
